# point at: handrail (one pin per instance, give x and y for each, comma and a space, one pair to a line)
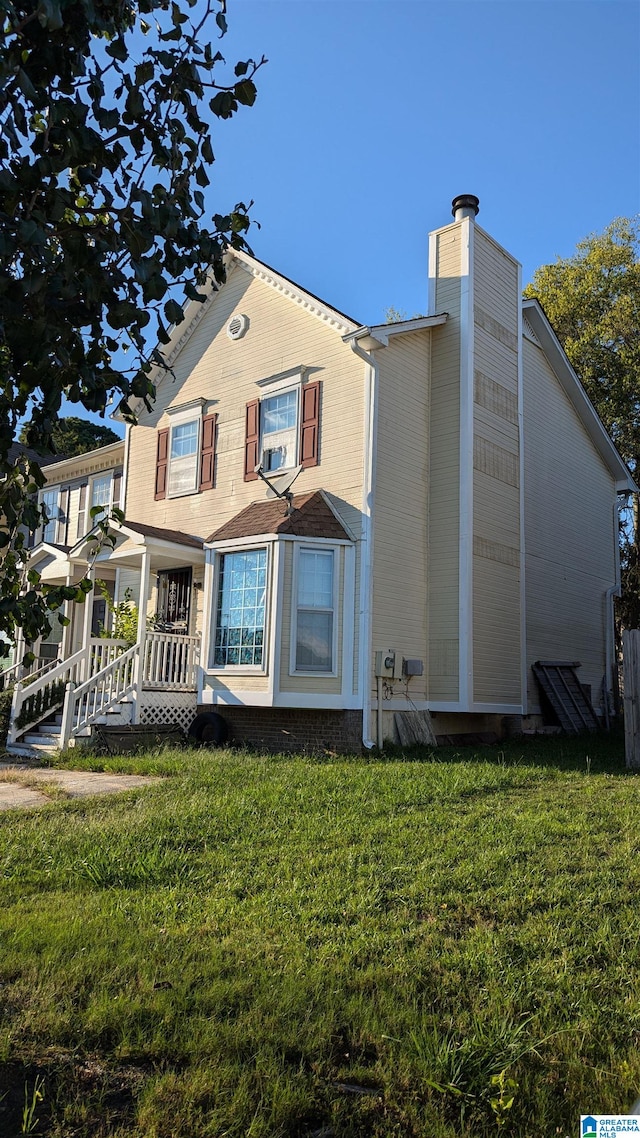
86, 703
38, 698
26, 674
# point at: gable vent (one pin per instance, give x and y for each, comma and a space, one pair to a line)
237, 326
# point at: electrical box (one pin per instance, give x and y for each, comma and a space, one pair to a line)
413, 667
389, 664
385, 663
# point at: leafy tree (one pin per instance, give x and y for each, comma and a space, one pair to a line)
72, 436
593, 302
105, 152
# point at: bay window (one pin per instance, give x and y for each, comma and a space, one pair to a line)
315, 609
241, 609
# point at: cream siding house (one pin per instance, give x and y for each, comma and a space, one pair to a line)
328, 523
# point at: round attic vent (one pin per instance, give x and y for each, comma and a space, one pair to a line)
237, 326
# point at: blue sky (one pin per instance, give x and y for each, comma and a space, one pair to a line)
372, 114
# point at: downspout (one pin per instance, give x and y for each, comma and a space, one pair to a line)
125, 468
609, 646
366, 560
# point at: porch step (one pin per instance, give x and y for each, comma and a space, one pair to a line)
49, 738
32, 751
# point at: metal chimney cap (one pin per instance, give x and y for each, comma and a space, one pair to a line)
465, 205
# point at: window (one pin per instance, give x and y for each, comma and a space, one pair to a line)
103, 490
315, 609
50, 503
279, 420
241, 608
282, 429
185, 459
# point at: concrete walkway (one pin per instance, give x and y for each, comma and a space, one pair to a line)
23, 786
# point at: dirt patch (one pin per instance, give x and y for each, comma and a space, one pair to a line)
70, 1096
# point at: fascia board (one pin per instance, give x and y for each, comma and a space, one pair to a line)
43, 549
75, 552
140, 542
577, 395
229, 544
380, 334
403, 326
313, 304
194, 311
103, 458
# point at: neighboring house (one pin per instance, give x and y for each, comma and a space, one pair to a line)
453, 514
16, 451
72, 487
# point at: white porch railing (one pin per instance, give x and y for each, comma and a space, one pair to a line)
30, 672
93, 680
39, 697
170, 661
86, 703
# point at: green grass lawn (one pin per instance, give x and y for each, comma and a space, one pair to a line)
267, 946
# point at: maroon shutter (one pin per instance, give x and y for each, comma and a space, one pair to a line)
310, 424
162, 462
252, 440
63, 517
208, 456
82, 512
117, 489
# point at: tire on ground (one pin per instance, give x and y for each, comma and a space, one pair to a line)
209, 728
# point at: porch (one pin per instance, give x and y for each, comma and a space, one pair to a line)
154, 679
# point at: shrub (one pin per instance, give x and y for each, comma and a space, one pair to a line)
5, 712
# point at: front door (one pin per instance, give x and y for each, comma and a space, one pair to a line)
174, 599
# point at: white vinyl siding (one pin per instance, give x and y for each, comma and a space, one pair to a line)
496, 477
444, 473
401, 504
570, 531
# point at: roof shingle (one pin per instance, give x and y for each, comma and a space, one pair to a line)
312, 517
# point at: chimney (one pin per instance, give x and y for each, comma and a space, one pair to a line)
465, 205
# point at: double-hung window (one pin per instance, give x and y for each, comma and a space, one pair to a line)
50, 502
283, 426
103, 492
241, 609
185, 459
315, 611
279, 431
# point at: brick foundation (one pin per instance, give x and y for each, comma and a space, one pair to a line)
293, 729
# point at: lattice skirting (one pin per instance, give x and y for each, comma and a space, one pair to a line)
168, 707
